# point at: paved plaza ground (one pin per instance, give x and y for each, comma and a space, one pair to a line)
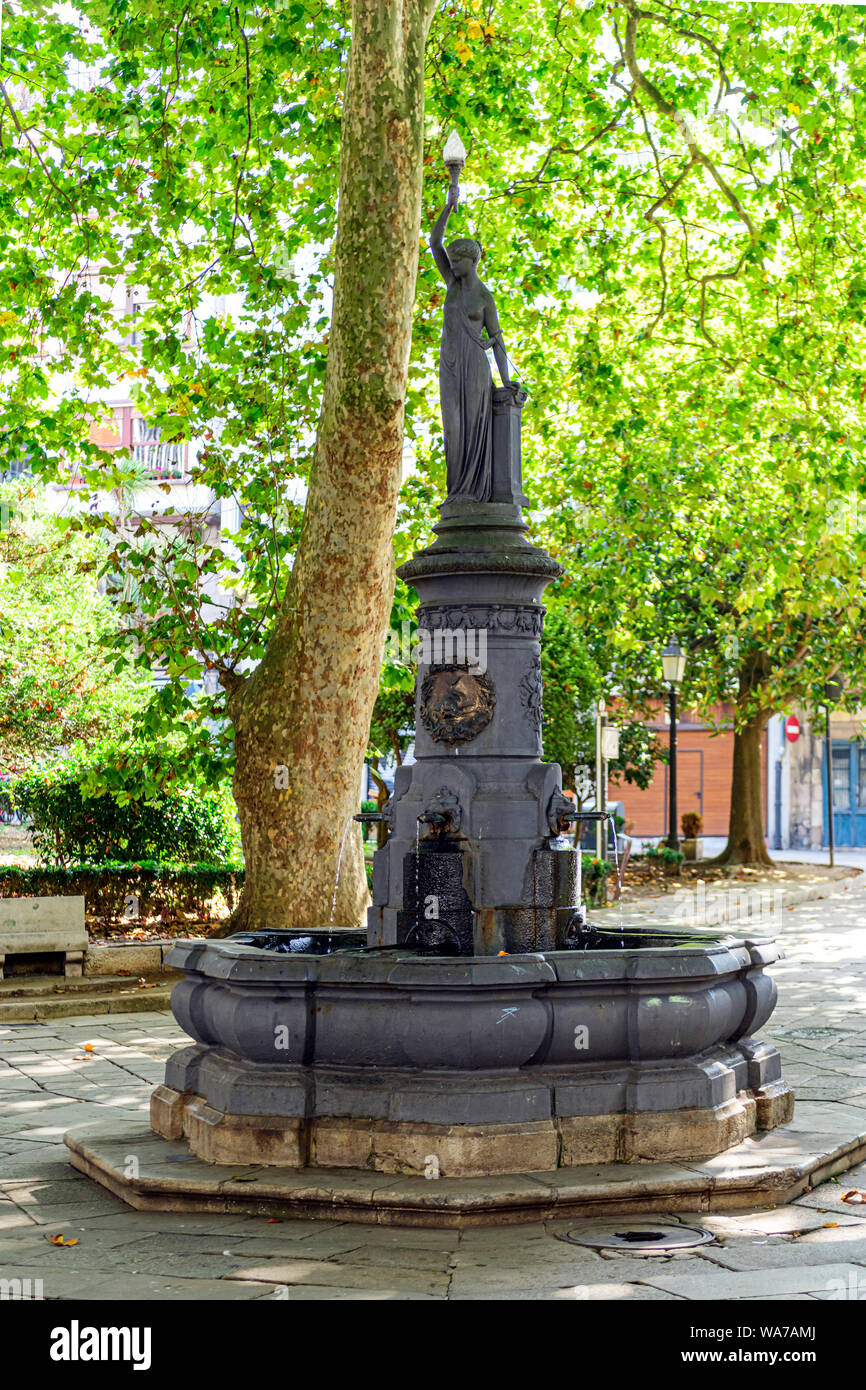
50, 1082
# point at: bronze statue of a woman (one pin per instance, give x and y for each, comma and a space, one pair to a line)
465, 381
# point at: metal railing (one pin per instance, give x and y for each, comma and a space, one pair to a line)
162, 462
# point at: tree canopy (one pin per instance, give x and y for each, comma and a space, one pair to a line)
671, 201
58, 669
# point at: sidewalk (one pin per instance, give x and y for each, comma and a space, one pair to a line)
714, 844
813, 1248
753, 906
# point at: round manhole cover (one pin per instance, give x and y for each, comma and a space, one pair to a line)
641, 1237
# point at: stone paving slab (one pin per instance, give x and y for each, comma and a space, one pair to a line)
783, 1280
579, 1292
738, 905
73, 1282
793, 1220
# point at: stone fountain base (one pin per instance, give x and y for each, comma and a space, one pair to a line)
482, 1148
394, 1062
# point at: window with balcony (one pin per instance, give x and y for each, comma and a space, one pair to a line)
159, 460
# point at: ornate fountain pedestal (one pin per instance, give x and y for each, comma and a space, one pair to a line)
475, 862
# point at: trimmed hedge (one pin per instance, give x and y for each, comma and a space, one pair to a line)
176, 891
169, 891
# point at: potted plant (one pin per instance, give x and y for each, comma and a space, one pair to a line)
692, 824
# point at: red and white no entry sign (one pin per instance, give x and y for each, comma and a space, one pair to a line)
792, 728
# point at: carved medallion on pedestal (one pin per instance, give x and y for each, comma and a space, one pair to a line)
456, 704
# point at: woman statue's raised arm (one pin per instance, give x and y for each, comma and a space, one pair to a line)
437, 244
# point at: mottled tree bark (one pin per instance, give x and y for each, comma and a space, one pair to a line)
307, 706
746, 842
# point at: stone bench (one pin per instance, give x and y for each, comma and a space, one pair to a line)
43, 926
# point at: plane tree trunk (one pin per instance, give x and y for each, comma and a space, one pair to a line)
746, 842
301, 719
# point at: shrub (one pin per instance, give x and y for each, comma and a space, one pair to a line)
60, 676
692, 823
665, 856
195, 823
595, 875
146, 890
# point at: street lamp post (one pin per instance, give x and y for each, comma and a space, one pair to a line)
673, 668
777, 810
833, 691
600, 789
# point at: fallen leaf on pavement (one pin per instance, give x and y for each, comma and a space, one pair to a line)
856, 1197
245, 1178
61, 1240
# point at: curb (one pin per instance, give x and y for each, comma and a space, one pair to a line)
144, 958
128, 1001
782, 1166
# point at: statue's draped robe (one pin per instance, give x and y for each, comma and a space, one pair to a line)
466, 394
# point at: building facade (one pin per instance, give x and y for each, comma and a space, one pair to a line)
794, 777
705, 760
804, 819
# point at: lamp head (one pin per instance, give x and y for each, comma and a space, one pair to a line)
454, 152
673, 663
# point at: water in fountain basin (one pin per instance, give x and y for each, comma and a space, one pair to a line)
417, 922
579, 893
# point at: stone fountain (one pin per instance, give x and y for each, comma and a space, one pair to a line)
476, 1026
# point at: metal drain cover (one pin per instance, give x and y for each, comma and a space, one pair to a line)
641, 1237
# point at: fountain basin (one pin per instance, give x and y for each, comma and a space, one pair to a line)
367, 1057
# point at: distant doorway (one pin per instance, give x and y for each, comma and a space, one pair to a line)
849, 794
690, 784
